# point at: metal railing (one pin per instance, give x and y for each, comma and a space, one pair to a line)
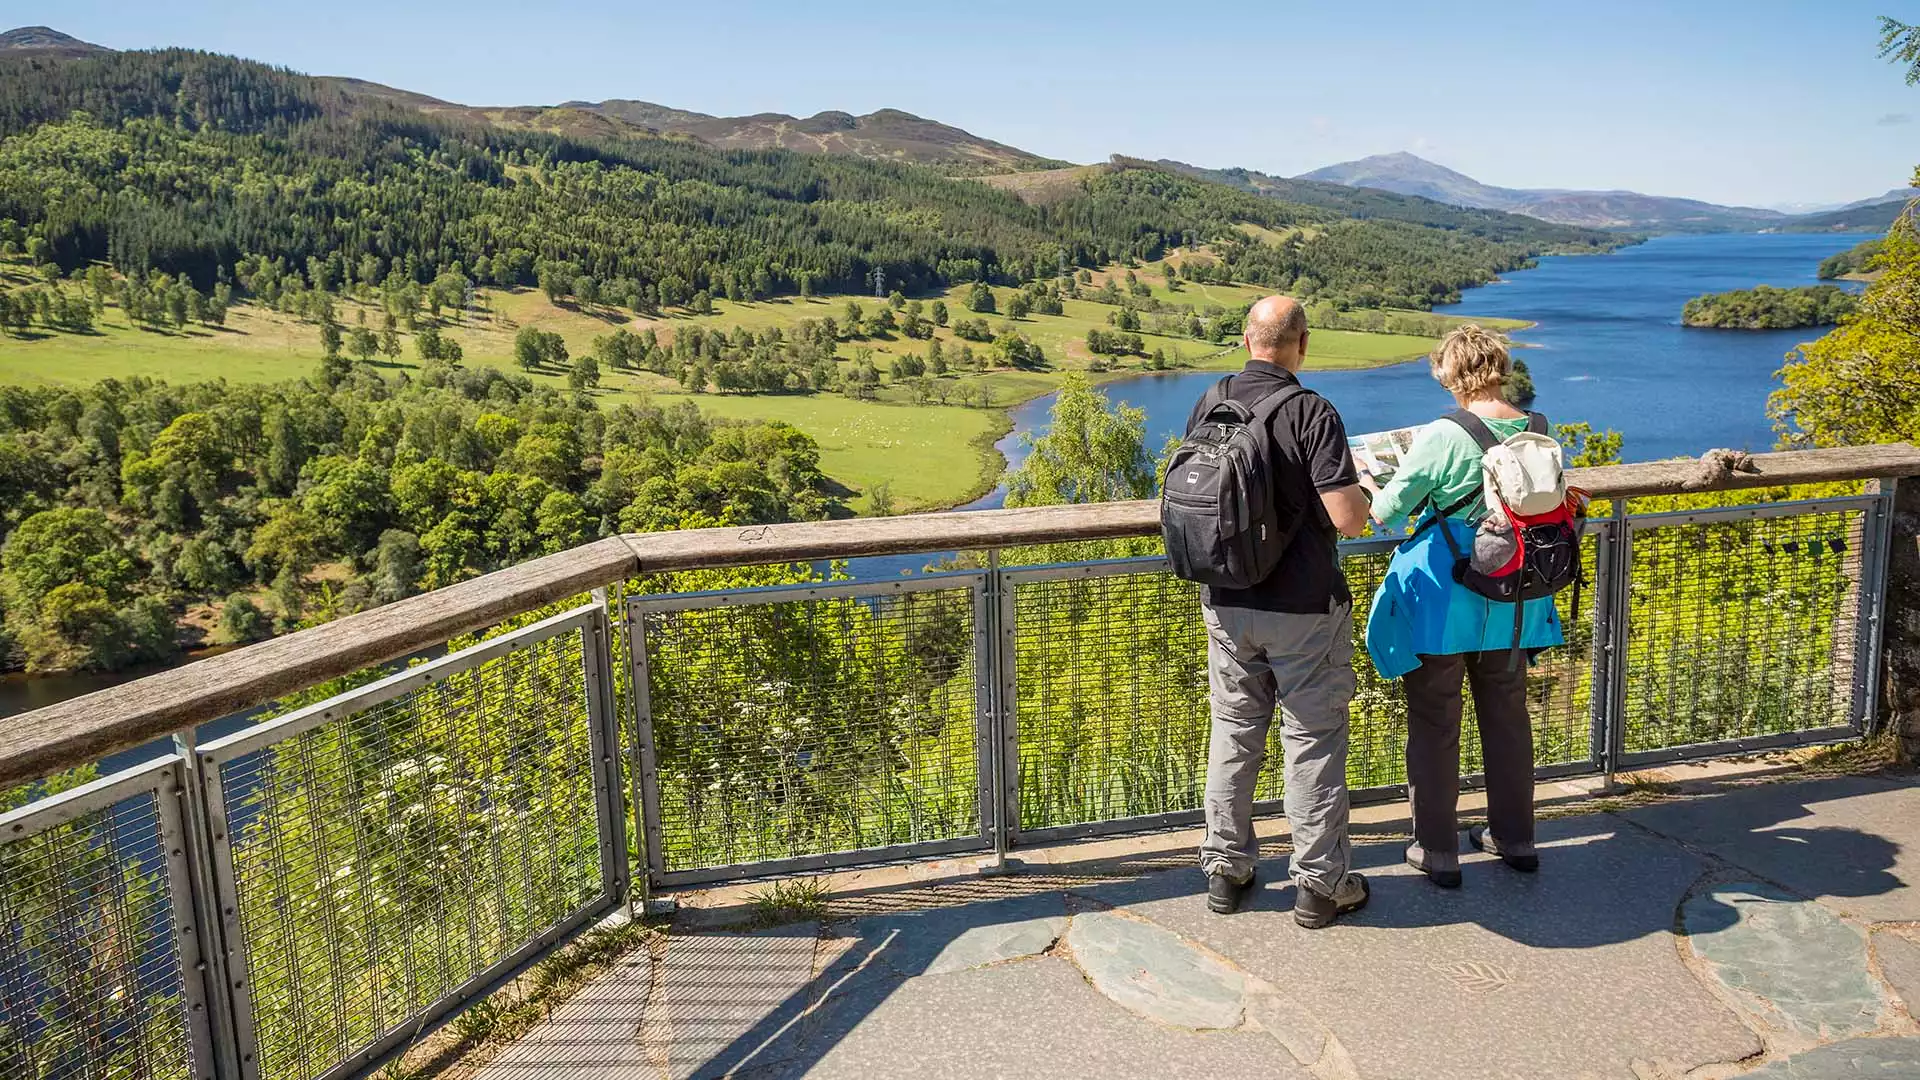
794, 728
306, 898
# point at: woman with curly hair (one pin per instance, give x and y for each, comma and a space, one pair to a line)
1432, 631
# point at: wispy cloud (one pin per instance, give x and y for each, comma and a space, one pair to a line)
1895, 119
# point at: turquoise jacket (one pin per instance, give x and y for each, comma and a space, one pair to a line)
1421, 609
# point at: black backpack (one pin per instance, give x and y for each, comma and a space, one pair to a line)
1217, 501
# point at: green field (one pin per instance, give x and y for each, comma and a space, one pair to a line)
929, 455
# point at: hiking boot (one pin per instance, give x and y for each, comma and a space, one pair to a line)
1313, 911
1225, 895
1441, 868
1482, 840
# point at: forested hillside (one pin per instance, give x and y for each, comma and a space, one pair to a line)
186, 162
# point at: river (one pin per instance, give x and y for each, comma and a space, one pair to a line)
1607, 347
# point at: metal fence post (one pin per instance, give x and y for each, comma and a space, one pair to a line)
203, 949
644, 763
986, 710
1610, 692
603, 726
1009, 676
196, 923
997, 733
225, 897
1601, 654
1871, 631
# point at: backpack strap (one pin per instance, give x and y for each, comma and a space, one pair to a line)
1269, 403
1216, 394
1260, 409
1483, 435
1537, 423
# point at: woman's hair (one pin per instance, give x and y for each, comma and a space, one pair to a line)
1470, 361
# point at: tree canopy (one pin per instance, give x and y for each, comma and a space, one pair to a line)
1765, 307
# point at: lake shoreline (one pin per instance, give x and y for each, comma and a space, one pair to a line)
1105, 379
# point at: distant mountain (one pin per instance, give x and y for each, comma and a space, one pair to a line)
1871, 217
1897, 195
1378, 204
888, 134
1410, 175
48, 39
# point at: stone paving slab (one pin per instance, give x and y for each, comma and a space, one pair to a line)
1570, 972
1148, 970
1854, 1059
1851, 842
1793, 965
942, 940
1898, 959
1035, 1018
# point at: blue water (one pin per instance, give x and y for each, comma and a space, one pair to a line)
1607, 349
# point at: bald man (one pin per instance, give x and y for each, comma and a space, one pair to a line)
1286, 641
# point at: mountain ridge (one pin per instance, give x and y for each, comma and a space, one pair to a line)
889, 134
1408, 174
1376, 203
46, 38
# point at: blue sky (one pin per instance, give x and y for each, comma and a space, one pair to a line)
1749, 101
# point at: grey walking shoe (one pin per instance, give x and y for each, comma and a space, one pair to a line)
1441, 868
1313, 911
1225, 895
1482, 840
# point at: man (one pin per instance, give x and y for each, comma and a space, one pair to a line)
1287, 640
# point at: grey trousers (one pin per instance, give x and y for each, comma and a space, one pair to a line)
1304, 664
1434, 707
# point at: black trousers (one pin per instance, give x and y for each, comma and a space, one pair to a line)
1434, 706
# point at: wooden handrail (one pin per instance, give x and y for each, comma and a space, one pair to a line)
89, 727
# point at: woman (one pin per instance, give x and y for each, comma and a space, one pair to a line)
1432, 631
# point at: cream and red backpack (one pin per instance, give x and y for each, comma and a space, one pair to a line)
1527, 543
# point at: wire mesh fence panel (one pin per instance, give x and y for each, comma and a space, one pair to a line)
389, 850
1741, 628
794, 723
1109, 697
93, 911
1377, 737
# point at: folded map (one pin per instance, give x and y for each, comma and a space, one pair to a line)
1378, 453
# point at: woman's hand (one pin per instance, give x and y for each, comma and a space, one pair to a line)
1372, 488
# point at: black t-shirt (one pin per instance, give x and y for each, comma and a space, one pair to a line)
1312, 456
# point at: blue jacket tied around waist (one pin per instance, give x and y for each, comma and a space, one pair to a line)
1421, 609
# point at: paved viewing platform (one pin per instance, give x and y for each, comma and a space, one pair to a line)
1725, 922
